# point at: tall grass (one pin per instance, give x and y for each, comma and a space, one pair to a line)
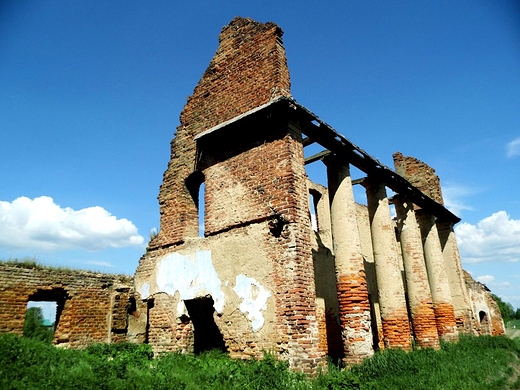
473, 363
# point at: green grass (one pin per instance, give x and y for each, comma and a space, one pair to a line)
473, 363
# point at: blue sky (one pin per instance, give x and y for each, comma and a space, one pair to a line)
91, 92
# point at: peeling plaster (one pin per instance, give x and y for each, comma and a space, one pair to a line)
254, 299
145, 291
191, 276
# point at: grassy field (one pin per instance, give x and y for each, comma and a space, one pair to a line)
513, 328
473, 363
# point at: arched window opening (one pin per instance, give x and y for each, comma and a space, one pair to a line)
314, 198
196, 187
484, 322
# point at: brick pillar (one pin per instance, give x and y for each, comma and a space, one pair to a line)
459, 292
394, 314
419, 295
438, 277
354, 305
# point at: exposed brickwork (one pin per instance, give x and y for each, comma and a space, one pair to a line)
293, 268
486, 313
420, 301
254, 180
445, 319
459, 292
251, 186
424, 326
93, 305
248, 69
390, 284
352, 290
396, 331
261, 279
353, 309
363, 222
321, 317
442, 266
420, 175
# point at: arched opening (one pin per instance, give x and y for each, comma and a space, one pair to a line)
207, 335
197, 189
314, 198
484, 322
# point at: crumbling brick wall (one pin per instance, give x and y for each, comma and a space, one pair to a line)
248, 69
92, 307
487, 318
256, 248
259, 279
420, 175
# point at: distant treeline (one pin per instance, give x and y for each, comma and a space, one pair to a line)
507, 310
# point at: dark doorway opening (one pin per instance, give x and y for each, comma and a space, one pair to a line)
207, 335
484, 322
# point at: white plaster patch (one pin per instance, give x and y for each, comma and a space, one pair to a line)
181, 309
145, 290
254, 299
191, 275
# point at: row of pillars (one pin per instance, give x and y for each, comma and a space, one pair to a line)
428, 315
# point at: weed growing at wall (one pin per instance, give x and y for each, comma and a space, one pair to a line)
473, 363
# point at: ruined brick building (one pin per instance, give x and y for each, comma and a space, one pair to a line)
261, 277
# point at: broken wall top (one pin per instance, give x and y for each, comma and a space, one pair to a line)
420, 175
248, 69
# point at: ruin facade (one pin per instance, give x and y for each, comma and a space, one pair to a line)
250, 274
238, 263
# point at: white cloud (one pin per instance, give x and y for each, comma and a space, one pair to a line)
486, 279
41, 224
100, 263
453, 194
513, 148
494, 239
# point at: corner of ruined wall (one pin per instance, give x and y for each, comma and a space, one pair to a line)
419, 174
92, 306
482, 301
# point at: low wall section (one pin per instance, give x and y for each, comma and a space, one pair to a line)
91, 307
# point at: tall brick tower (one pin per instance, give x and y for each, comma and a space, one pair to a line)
247, 285
250, 274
